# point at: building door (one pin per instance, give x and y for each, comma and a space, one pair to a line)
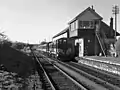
89, 45
81, 47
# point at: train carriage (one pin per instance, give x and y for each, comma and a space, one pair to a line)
43, 47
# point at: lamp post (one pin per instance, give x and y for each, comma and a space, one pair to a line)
115, 11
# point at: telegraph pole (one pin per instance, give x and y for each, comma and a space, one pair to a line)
115, 11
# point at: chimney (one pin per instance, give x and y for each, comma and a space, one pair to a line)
111, 27
111, 23
93, 8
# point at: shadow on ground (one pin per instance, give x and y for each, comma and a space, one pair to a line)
15, 61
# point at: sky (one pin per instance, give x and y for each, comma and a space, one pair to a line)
33, 21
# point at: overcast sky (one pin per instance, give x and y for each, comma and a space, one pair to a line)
35, 20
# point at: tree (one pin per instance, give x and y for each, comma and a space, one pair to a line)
43, 42
4, 39
18, 45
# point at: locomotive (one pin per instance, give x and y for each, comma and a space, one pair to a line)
65, 49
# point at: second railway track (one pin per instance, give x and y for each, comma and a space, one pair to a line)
106, 76
110, 82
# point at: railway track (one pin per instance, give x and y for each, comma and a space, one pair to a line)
87, 78
44, 78
105, 76
110, 82
54, 78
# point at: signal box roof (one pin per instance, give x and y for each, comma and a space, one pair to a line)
87, 14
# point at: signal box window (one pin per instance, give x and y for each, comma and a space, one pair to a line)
86, 24
64, 41
72, 26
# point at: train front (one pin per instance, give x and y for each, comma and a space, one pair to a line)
65, 49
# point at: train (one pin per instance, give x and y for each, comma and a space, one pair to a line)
66, 49
63, 49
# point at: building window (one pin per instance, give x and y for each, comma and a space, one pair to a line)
86, 24
80, 24
72, 26
92, 24
64, 41
76, 24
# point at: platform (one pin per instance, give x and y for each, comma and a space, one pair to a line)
110, 64
111, 60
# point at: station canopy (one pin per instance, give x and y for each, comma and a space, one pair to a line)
62, 32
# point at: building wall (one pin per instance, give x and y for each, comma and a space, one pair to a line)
73, 33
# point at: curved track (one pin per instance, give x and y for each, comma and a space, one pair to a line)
55, 78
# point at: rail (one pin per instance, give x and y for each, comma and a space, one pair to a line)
52, 86
64, 73
99, 82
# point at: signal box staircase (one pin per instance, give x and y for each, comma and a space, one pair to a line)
101, 42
